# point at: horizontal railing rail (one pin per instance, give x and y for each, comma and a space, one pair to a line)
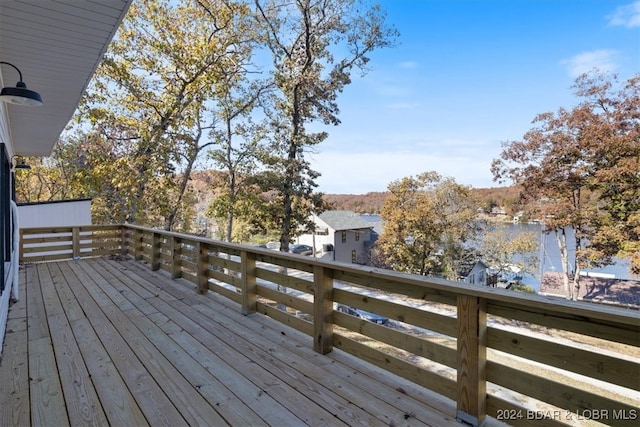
522, 359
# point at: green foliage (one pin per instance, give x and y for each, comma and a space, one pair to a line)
150, 101
427, 220
521, 287
503, 250
179, 80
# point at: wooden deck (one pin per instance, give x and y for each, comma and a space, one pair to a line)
109, 342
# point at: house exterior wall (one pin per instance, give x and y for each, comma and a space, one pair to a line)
319, 239
5, 263
343, 251
478, 275
353, 249
4, 126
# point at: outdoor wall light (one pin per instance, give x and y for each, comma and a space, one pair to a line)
19, 163
20, 95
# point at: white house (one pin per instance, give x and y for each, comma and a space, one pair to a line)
339, 236
476, 274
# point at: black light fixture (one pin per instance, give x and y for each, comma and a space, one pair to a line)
20, 95
19, 163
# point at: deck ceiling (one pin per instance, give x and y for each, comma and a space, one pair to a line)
57, 45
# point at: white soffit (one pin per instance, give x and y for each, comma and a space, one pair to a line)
57, 45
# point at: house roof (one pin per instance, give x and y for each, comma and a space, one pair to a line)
344, 220
57, 45
465, 269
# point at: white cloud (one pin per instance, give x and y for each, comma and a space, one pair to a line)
404, 105
626, 16
408, 64
393, 90
359, 173
603, 60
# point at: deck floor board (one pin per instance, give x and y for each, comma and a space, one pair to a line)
109, 342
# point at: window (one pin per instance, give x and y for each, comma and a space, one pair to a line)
344, 236
353, 256
357, 235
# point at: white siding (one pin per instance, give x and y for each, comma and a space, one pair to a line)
55, 214
344, 250
4, 128
4, 297
325, 238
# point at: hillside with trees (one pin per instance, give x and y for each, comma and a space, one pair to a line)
507, 198
360, 203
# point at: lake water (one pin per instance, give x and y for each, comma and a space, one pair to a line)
550, 260
549, 255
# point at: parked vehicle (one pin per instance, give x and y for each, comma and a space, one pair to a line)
371, 317
301, 249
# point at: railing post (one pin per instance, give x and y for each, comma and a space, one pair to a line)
322, 309
155, 251
75, 239
123, 240
176, 271
203, 268
472, 358
249, 286
137, 244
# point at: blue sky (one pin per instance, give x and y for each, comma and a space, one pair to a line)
465, 76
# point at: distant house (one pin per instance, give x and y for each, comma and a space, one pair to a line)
476, 274
339, 236
497, 211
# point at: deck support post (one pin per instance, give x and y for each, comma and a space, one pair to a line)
155, 252
75, 238
249, 286
123, 241
322, 309
202, 268
176, 253
472, 358
137, 244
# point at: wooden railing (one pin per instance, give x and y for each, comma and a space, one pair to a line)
525, 360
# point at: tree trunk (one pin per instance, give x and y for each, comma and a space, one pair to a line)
576, 285
291, 173
183, 187
232, 202
561, 237
231, 183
